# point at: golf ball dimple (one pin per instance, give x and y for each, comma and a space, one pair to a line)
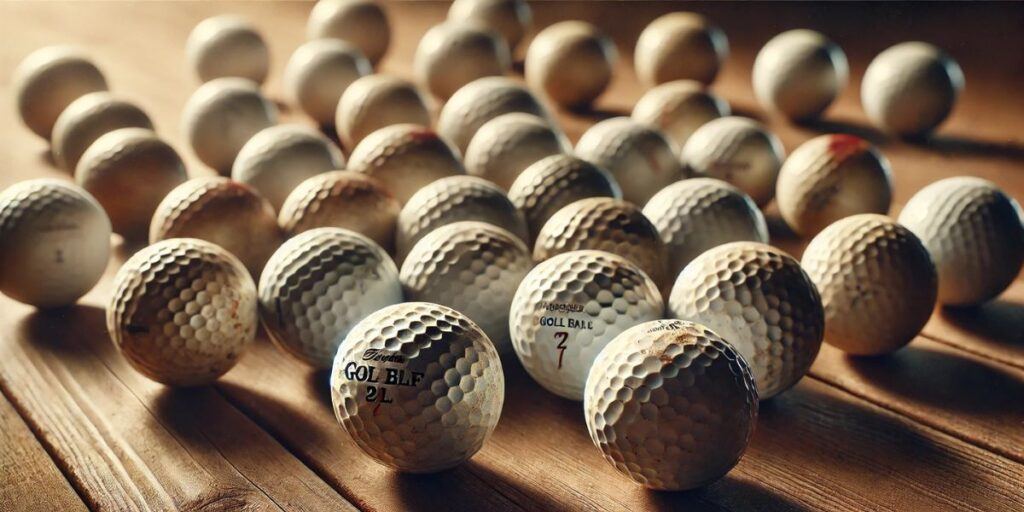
973, 231
480, 101
318, 285
737, 150
89, 118
571, 62
831, 177
678, 108
54, 242
405, 158
278, 158
221, 116
509, 18
342, 199
129, 171
378, 101
455, 199
451, 55
698, 214
639, 156
472, 267
910, 88
877, 283
227, 213
506, 145
418, 387
360, 22
758, 299
570, 307
318, 73
556, 182
227, 46
671, 405
48, 80
799, 73
680, 45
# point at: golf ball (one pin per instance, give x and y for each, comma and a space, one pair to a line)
571, 62
569, 307
48, 80
671, 405
877, 283
678, 108
54, 242
405, 158
680, 45
418, 386
831, 177
454, 54
87, 119
360, 22
227, 46
973, 232
319, 72
221, 116
377, 101
509, 18
506, 145
318, 285
737, 150
799, 73
480, 101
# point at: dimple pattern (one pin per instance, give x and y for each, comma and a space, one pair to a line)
480, 101
89, 118
678, 108
182, 312
405, 158
436, 393
505, 146
739, 151
671, 405
319, 285
570, 307
377, 101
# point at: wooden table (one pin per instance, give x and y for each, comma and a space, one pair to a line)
937, 426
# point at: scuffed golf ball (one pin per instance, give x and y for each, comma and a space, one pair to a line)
221, 116
405, 158
418, 386
227, 46
509, 18
671, 405
678, 108
378, 101
737, 150
89, 118
506, 145
360, 22
454, 54
480, 101
680, 45
973, 231
48, 80
571, 62
319, 72
799, 73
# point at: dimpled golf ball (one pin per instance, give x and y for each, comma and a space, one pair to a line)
54, 242
640, 157
506, 145
973, 231
227, 46
831, 177
227, 213
671, 405
570, 307
556, 182
678, 108
418, 386
799, 73
342, 199
319, 72
695, 215
318, 286
377, 101
277, 159
472, 267
221, 116
571, 62
360, 22
480, 101
48, 80
129, 171
89, 118
877, 283
910, 88
680, 45
509, 18
737, 150
405, 158
758, 299
452, 200
454, 54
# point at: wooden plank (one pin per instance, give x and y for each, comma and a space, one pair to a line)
994, 330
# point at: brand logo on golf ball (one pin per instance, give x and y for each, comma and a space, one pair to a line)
380, 378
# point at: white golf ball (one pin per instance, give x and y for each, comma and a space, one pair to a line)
227, 46
570, 307
799, 73
418, 386
183, 311
278, 158
360, 22
378, 101
678, 108
318, 286
910, 88
221, 116
89, 118
54, 242
319, 72
454, 54
973, 231
740, 151
48, 80
877, 283
680, 45
671, 405
480, 101
571, 63
830, 177
510, 18
639, 156
698, 214
505, 146
405, 158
